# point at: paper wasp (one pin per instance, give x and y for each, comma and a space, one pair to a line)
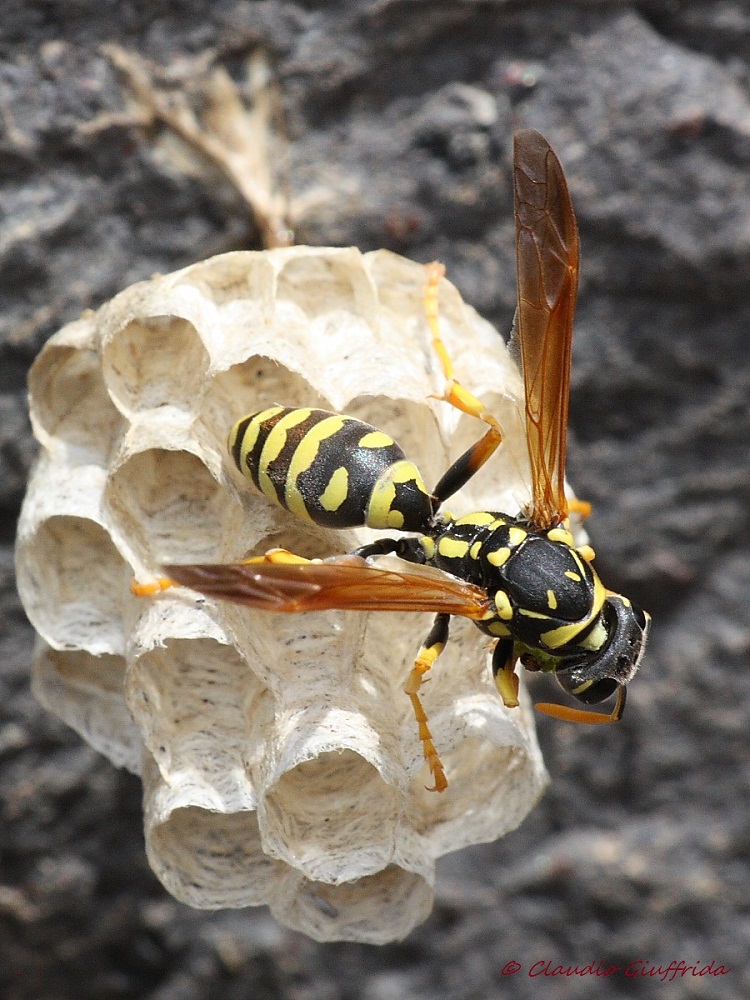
520, 578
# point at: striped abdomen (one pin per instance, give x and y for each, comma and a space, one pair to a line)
331, 469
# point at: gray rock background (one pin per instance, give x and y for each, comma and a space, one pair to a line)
400, 117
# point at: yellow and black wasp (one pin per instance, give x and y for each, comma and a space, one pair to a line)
519, 577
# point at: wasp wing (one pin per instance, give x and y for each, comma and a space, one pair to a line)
547, 267
344, 582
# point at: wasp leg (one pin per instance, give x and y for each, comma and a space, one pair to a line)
580, 507
503, 670
459, 396
432, 648
164, 583
275, 556
154, 587
381, 547
407, 549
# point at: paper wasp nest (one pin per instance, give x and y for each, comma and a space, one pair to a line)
279, 754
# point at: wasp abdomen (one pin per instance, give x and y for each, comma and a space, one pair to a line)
331, 469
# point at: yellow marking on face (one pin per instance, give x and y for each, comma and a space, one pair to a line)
516, 536
559, 534
375, 439
573, 576
452, 548
502, 603
380, 511
336, 491
304, 456
499, 557
498, 629
551, 600
273, 447
586, 553
475, 549
596, 637
479, 517
428, 546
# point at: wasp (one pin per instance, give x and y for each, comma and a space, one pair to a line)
519, 577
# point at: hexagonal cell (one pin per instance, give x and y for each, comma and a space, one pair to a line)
376, 909
214, 860
332, 817
411, 424
72, 579
249, 387
477, 738
189, 696
86, 692
206, 857
156, 362
400, 283
512, 778
171, 509
326, 281
69, 402
235, 277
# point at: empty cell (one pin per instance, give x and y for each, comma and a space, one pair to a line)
69, 401
375, 909
72, 579
155, 362
233, 277
400, 285
189, 697
251, 386
510, 773
324, 282
86, 692
332, 817
213, 860
169, 506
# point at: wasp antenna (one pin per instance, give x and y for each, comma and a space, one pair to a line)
569, 714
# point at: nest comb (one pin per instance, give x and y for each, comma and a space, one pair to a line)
279, 755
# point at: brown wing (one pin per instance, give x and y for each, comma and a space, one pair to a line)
345, 582
547, 265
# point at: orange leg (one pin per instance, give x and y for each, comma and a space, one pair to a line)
276, 556
433, 647
164, 583
459, 396
580, 507
154, 587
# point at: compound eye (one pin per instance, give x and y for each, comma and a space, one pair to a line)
598, 691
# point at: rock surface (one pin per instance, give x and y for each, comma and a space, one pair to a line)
400, 129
